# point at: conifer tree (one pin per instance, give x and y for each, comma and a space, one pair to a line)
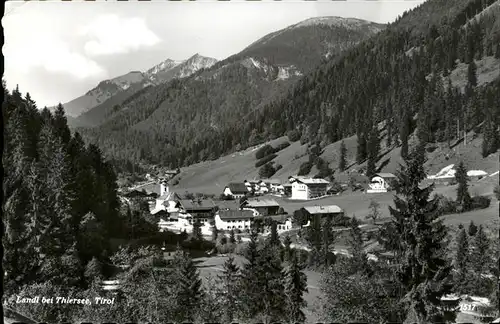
463, 197
287, 250
472, 230
295, 286
359, 257
273, 237
472, 74
327, 242
424, 271
228, 283
187, 291
462, 262
343, 157
373, 152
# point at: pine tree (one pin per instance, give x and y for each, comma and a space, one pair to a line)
361, 152
232, 238
373, 152
187, 290
472, 74
269, 281
355, 241
295, 286
343, 157
463, 197
228, 283
327, 242
287, 250
273, 237
424, 271
472, 230
462, 262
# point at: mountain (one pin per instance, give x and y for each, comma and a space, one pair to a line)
121, 87
433, 74
169, 69
181, 112
103, 91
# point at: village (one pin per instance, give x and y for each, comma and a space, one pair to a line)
241, 203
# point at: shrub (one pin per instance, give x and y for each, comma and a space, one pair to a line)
445, 205
278, 167
293, 135
282, 146
264, 150
480, 202
305, 168
264, 160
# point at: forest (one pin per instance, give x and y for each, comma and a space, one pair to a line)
402, 75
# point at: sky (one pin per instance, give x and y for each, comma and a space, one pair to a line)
57, 51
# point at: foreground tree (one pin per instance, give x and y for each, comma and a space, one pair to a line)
187, 290
375, 296
295, 283
228, 286
343, 157
424, 271
463, 196
462, 262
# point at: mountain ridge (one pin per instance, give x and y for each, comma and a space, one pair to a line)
136, 80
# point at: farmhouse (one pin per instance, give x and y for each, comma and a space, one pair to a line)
308, 188
235, 190
202, 210
264, 206
333, 212
237, 219
283, 222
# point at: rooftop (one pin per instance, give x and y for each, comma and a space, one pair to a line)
261, 202
237, 187
312, 181
197, 204
323, 209
228, 204
235, 214
385, 175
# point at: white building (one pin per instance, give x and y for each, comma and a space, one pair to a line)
167, 201
234, 219
285, 226
308, 188
235, 190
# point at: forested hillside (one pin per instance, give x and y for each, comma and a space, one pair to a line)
161, 124
60, 204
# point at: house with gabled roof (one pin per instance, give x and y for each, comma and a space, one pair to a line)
234, 219
202, 210
236, 190
308, 188
321, 212
263, 205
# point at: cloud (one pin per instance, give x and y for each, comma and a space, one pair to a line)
52, 54
110, 34
44, 46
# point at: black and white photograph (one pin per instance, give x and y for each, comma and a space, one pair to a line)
251, 162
